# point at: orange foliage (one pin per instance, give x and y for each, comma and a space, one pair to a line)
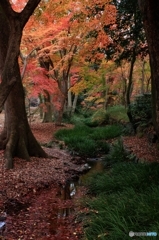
69, 33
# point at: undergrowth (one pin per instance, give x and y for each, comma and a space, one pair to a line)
87, 141
118, 113
122, 199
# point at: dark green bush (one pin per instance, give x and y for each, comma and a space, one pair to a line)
141, 109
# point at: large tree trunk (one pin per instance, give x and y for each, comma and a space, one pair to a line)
58, 113
150, 13
16, 138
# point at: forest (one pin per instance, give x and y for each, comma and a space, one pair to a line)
79, 119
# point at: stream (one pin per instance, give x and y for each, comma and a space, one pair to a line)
70, 189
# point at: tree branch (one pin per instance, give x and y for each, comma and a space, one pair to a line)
28, 11
25, 61
24, 15
7, 9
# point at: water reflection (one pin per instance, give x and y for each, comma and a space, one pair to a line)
68, 191
95, 166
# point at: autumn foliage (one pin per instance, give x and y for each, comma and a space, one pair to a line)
65, 35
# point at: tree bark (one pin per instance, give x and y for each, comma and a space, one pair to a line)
48, 105
150, 10
45, 63
130, 79
74, 103
143, 78
16, 137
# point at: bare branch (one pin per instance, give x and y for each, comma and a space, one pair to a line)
25, 61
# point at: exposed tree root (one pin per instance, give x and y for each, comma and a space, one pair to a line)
21, 144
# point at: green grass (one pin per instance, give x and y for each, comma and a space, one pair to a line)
108, 132
122, 199
117, 214
87, 141
117, 153
125, 175
118, 113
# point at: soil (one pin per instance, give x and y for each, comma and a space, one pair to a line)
35, 198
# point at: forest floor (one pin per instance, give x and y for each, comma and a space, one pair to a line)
35, 194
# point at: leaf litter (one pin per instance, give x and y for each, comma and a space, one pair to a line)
31, 193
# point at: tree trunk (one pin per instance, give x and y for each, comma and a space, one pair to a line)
40, 106
130, 79
58, 113
150, 10
48, 105
69, 99
143, 78
74, 103
129, 88
45, 63
16, 138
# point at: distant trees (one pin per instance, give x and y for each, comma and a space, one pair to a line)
129, 40
69, 34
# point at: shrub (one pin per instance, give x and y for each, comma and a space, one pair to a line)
100, 117
141, 109
118, 113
